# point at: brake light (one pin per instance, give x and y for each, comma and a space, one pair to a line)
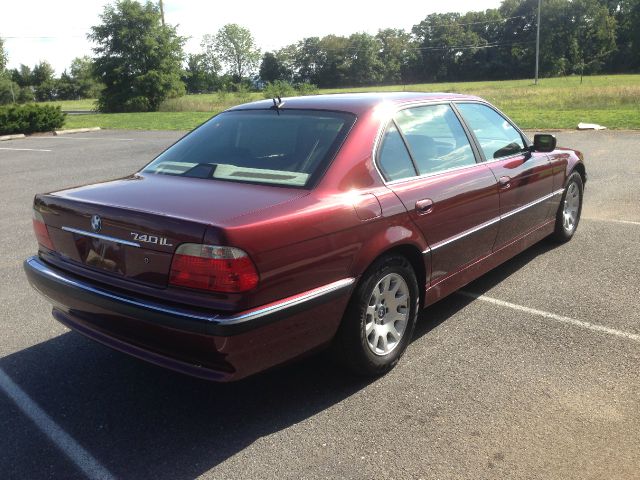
209, 267
40, 229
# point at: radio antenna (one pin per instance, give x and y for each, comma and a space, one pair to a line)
278, 104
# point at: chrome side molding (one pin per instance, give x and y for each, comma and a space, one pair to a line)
287, 302
492, 221
531, 204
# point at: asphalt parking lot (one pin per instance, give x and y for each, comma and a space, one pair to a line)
536, 378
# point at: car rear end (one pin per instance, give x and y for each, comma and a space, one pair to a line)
144, 264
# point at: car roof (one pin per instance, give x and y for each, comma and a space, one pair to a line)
356, 103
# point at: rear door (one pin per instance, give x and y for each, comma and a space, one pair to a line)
428, 161
525, 179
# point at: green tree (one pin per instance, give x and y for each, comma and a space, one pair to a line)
594, 32
489, 62
22, 75
365, 66
7, 91
200, 75
7, 94
397, 55
4, 57
627, 15
306, 60
137, 58
43, 82
333, 61
286, 58
445, 45
83, 78
42, 72
519, 36
235, 48
575, 36
66, 88
273, 68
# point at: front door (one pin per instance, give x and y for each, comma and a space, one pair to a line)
524, 178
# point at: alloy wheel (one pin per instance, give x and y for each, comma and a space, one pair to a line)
571, 207
387, 314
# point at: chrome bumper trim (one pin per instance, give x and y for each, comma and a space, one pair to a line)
101, 237
217, 319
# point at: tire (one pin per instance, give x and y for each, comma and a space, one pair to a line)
377, 328
569, 210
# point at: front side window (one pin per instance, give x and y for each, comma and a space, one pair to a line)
436, 138
258, 146
497, 137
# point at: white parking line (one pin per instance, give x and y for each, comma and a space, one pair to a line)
552, 316
25, 149
78, 455
627, 222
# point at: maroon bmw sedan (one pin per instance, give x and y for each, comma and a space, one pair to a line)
280, 228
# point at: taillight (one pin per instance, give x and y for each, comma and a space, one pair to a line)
40, 229
209, 267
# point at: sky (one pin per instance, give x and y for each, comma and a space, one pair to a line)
55, 31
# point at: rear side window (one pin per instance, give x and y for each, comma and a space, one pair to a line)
393, 157
436, 138
497, 137
289, 147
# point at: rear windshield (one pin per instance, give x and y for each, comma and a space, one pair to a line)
289, 147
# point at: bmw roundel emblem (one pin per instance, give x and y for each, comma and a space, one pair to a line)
96, 223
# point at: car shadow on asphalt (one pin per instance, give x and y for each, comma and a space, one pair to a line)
141, 421
439, 312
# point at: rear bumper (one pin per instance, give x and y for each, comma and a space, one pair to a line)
197, 342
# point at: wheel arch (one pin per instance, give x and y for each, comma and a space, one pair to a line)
417, 260
414, 256
580, 168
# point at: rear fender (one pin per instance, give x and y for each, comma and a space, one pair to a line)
388, 238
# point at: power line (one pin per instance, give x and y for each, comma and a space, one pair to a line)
498, 20
452, 24
470, 47
45, 37
451, 47
344, 49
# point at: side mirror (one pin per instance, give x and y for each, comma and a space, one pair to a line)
544, 142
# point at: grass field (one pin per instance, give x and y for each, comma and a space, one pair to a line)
555, 103
139, 121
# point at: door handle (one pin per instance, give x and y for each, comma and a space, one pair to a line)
505, 182
424, 206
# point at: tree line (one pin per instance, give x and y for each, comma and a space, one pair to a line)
139, 61
26, 84
577, 36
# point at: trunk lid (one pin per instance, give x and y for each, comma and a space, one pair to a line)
131, 227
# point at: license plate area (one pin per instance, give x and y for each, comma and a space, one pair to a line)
150, 267
102, 254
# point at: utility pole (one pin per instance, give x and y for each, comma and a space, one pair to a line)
537, 42
162, 14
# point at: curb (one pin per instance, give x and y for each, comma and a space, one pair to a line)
11, 137
75, 130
